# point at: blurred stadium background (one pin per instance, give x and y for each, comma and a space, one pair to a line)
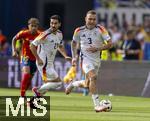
126, 76
118, 76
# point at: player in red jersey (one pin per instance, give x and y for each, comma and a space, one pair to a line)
28, 61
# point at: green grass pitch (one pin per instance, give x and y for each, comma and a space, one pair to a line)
75, 107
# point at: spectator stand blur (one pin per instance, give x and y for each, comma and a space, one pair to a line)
67, 45
118, 32
5, 48
143, 36
122, 3
130, 48
116, 39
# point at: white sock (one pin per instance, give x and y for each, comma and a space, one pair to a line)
49, 85
95, 98
77, 83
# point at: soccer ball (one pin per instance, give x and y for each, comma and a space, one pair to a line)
106, 103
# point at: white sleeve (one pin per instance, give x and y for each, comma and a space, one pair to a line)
39, 39
104, 34
76, 35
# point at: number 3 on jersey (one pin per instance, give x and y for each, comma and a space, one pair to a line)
89, 41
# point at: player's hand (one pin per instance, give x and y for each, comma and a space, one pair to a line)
68, 58
15, 53
92, 49
39, 62
74, 62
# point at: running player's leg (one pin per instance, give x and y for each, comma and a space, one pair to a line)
26, 76
92, 86
73, 84
91, 71
92, 77
47, 86
33, 69
51, 80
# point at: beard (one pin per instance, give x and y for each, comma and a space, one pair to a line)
90, 26
53, 29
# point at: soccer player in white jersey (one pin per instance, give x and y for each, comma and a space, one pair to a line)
91, 38
48, 43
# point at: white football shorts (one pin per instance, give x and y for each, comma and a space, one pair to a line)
88, 65
47, 72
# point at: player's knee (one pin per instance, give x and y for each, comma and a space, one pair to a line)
53, 85
26, 70
59, 84
93, 78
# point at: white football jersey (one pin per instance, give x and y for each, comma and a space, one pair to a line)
48, 43
94, 37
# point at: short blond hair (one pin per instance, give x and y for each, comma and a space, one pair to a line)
93, 12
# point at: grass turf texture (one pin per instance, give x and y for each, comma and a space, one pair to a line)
75, 107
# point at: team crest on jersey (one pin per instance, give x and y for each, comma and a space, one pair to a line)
52, 41
95, 33
83, 35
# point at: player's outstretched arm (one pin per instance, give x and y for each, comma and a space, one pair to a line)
74, 49
34, 51
14, 50
74, 52
106, 46
62, 50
